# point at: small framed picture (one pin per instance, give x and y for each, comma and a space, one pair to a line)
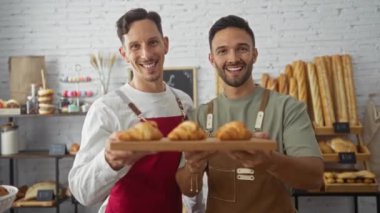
182, 78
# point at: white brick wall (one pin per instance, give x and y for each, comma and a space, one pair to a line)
67, 31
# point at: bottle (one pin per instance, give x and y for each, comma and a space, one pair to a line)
32, 101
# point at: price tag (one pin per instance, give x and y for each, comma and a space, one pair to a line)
341, 127
45, 195
57, 149
347, 157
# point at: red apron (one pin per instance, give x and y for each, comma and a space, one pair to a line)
150, 185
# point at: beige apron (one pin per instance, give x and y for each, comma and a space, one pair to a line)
236, 189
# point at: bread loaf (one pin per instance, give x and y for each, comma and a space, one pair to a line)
350, 90
187, 130
315, 95
339, 90
327, 102
342, 145
142, 131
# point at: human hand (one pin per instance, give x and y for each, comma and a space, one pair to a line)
196, 161
258, 159
117, 159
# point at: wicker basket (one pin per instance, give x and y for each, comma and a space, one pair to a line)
7, 200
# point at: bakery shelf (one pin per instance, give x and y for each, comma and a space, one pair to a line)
320, 131
350, 187
363, 154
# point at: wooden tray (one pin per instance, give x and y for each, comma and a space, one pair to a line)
362, 155
209, 144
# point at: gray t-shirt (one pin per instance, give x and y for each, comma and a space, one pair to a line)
286, 120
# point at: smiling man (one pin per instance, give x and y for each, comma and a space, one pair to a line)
251, 180
127, 181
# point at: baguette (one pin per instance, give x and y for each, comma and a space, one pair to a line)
350, 90
327, 104
272, 84
293, 90
340, 96
288, 71
315, 95
300, 75
283, 84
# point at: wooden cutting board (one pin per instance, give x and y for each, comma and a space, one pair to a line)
209, 144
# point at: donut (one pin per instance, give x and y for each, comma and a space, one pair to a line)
45, 92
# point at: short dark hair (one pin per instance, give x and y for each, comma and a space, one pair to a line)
230, 21
124, 23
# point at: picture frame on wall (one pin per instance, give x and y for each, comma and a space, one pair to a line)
182, 78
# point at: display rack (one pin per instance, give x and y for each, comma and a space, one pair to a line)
354, 190
41, 154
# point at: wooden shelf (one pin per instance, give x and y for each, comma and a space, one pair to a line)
320, 131
362, 155
34, 154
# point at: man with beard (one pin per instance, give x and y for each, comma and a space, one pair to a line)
132, 181
251, 180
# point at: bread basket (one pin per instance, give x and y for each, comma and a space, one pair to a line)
7, 200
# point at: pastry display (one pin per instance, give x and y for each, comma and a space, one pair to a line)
234, 130
187, 130
45, 101
143, 131
3, 191
363, 176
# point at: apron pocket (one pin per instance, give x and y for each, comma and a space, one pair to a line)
222, 184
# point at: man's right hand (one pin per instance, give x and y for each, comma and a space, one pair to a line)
117, 159
196, 161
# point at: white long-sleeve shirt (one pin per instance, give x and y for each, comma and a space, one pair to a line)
91, 178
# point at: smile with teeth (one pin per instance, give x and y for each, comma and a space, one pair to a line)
234, 68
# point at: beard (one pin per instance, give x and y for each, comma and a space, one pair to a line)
237, 81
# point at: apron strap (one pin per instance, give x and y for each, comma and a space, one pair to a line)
260, 114
179, 102
130, 104
137, 111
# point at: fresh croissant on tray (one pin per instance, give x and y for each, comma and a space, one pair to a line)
187, 130
143, 131
234, 130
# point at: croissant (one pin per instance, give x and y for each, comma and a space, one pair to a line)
187, 130
141, 131
234, 130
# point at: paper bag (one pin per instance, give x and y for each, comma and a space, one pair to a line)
24, 71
